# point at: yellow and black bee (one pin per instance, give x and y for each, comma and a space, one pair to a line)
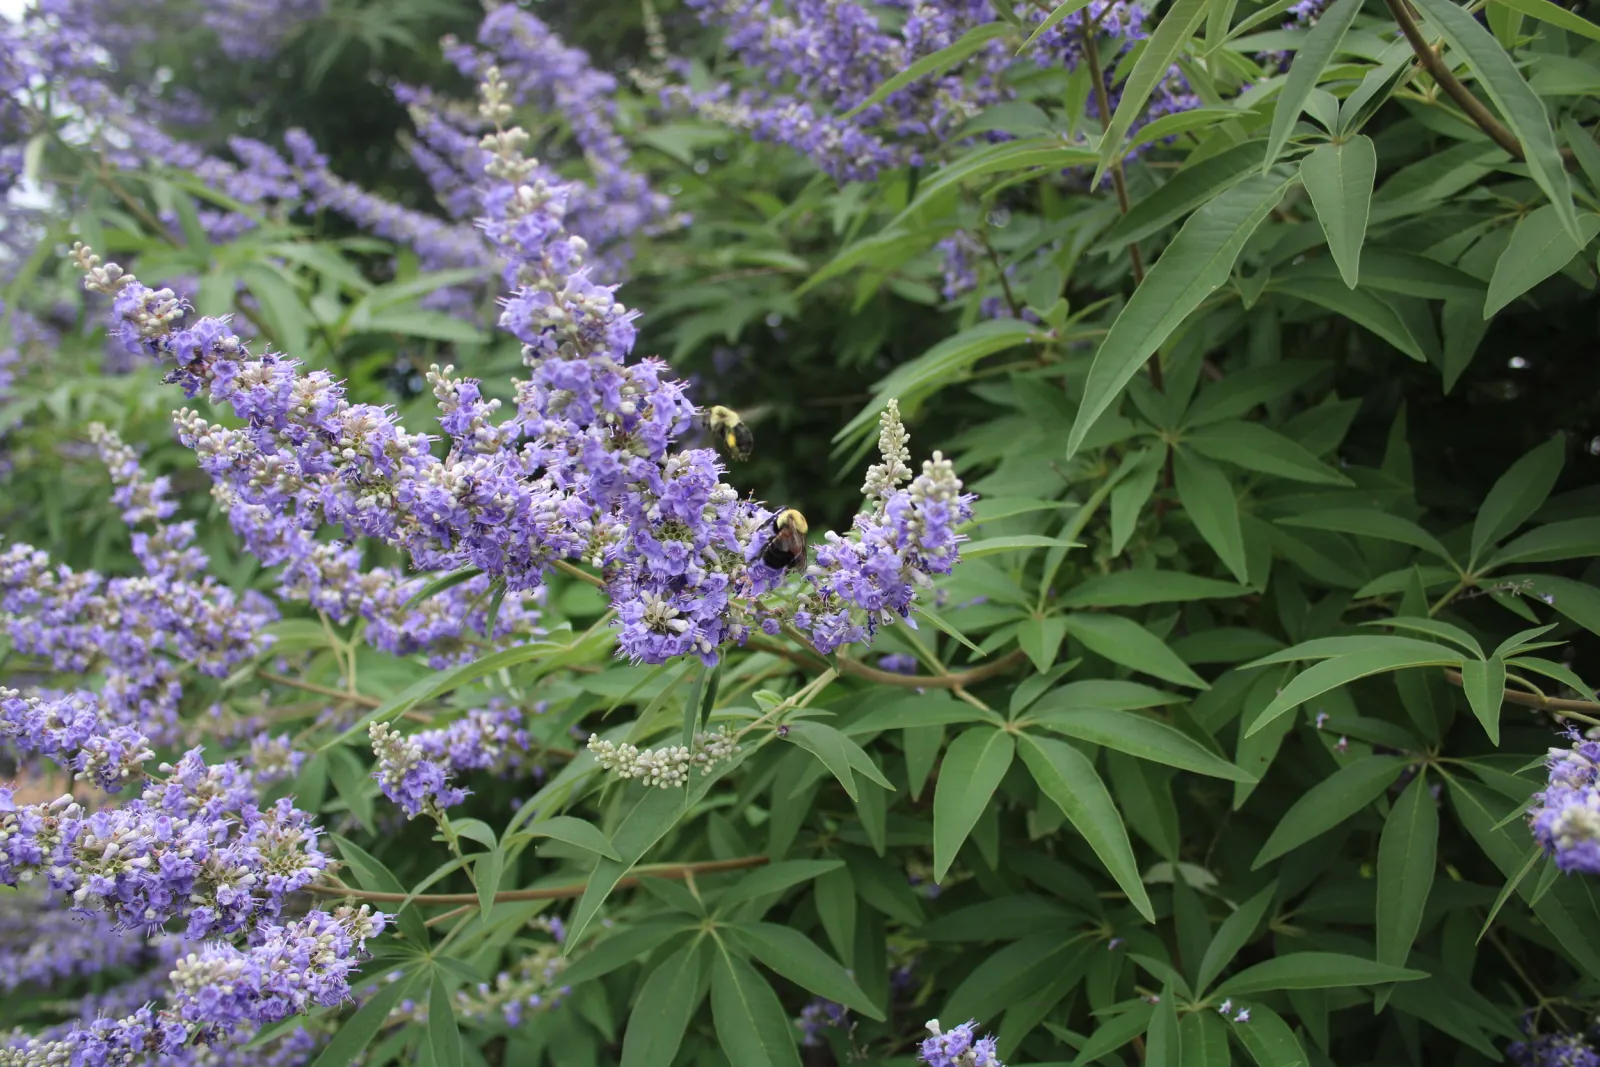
732, 435
788, 544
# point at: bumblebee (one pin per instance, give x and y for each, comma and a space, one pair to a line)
733, 436
788, 544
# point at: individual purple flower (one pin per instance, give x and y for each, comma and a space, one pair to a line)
818, 1015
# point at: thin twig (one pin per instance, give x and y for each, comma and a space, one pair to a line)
1436, 66
554, 892
1560, 705
1005, 283
961, 679
323, 690
1118, 182
577, 572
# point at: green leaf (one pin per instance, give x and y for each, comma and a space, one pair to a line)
1059, 12
1136, 588
372, 874
1204, 1040
1139, 735
1329, 803
1041, 640
775, 879
655, 813
352, 1037
1314, 970
573, 831
280, 307
936, 63
1121, 640
1485, 682
1234, 934
1152, 67
1518, 105
1068, 778
837, 752
1199, 261
1406, 855
1569, 539
352, 782
1269, 1040
1194, 185
1339, 178
918, 709
797, 957
1361, 306
1315, 52
1518, 494
1342, 670
1364, 523
1554, 14
1112, 1035
1539, 247
1133, 492
430, 325
971, 772
1211, 504
1256, 448
444, 1037
993, 546
752, 1026
665, 1005
487, 872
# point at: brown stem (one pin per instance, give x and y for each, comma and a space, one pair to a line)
1118, 182
959, 680
1534, 700
554, 892
1435, 65
324, 690
1005, 283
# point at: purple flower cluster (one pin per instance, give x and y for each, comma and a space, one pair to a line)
416, 771
961, 1047
1565, 816
820, 59
253, 29
871, 576
41, 942
1553, 1050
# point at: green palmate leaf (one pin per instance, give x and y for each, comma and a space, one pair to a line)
752, 1026
1313, 56
1151, 68
1234, 933
1139, 735
1339, 179
937, 63
968, 777
285, 315
665, 1005
1127, 589
1485, 682
1539, 247
1342, 670
1192, 186
1255, 447
919, 709
647, 823
1112, 1035
1517, 104
993, 546
487, 872
1517, 494
1133, 492
444, 1037
620, 949
1168, 126
1329, 803
1164, 1041
1212, 505
354, 1035
1121, 640
1050, 152
1406, 853
1314, 970
1068, 778
1198, 261
1104, 693
797, 957
1269, 1040
1554, 14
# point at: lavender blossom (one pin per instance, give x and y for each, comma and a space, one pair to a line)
1565, 816
958, 1048
416, 771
